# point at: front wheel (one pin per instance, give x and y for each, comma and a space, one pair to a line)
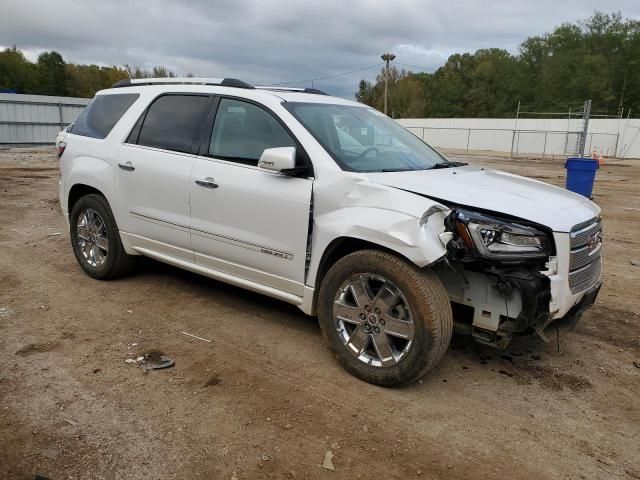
387, 321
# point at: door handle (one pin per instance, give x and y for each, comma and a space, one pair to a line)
207, 182
128, 166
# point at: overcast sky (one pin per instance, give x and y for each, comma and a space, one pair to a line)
265, 42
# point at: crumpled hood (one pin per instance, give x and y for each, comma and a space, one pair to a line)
497, 191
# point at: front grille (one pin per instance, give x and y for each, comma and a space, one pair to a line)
583, 256
585, 277
585, 262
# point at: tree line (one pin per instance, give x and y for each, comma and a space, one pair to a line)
597, 58
51, 75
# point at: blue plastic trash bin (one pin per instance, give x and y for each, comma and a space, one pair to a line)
581, 173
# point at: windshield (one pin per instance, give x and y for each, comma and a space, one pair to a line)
361, 139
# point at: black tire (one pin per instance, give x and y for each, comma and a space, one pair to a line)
116, 261
427, 301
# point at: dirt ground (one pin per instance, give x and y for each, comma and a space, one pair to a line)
265, 399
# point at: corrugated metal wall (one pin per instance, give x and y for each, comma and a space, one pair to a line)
27, 120
543, 136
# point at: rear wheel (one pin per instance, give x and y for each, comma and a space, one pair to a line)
387, 321
96, 240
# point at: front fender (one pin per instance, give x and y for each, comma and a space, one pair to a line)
384, 216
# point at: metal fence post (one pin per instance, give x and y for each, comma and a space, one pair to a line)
544, 147
515, 128
585, 129
468, 135
60, 114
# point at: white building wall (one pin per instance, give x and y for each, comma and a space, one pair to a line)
543, 136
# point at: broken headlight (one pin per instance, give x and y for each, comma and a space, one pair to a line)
498, 239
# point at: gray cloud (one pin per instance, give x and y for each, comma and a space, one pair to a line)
286, 40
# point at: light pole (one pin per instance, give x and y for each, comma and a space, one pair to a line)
387, 57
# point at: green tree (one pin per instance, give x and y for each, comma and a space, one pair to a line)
85, 80
366, 93
51, 75
597, 59
16, 72
52, 78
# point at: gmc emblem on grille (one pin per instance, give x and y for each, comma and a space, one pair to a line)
594, 241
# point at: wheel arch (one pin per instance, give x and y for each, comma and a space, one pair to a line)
339, 248
79, 190
83, 173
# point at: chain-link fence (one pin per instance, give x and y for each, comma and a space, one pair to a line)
615, 141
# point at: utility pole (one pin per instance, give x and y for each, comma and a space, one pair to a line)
387, 57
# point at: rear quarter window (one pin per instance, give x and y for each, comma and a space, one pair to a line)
103, 112
173, 122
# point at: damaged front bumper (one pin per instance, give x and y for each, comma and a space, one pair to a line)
497, 305
548, 329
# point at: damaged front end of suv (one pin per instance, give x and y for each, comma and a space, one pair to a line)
496, 275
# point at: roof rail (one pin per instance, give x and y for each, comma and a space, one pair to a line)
290, 89
223, 82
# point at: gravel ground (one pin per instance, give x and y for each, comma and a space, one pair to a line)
265, 399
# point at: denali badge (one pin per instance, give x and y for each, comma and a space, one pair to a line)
285, 255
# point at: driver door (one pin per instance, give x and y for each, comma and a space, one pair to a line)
246, 221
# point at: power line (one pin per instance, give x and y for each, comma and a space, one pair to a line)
328, 76
416, 66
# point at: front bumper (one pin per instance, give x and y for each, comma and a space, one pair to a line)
553, 326
534, 317
501, 303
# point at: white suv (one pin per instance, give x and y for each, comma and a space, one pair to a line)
329, 205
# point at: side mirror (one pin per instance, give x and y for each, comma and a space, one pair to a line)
278, 159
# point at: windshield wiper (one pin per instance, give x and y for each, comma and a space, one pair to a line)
449, 165
436, 166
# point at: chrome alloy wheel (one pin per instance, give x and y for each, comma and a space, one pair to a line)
91, 232
373, 320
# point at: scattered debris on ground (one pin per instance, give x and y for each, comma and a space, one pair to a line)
327, 463
152, 360
195, 336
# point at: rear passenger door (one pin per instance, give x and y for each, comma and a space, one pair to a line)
246, 221
152, 177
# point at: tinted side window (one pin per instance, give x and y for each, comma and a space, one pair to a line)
101, 115
242, 131
172, 122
